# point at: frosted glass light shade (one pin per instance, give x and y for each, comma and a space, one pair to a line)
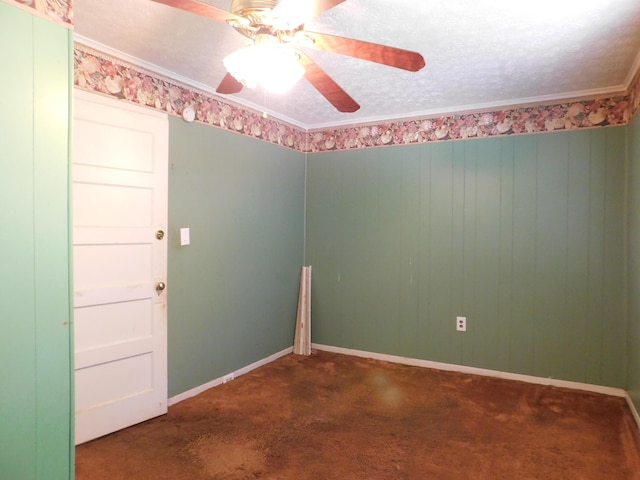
274, 67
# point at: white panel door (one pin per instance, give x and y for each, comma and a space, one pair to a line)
120, 162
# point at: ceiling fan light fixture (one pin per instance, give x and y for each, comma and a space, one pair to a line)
267, 63
277, 58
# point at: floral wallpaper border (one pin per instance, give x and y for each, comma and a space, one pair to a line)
96, 72
591, 113
634, 96
99, 73
526, 120
57, 10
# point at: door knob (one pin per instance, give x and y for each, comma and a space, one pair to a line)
160, 286
159, 234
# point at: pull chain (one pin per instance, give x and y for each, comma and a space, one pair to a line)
264, 101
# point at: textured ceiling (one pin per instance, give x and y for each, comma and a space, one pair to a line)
478, 54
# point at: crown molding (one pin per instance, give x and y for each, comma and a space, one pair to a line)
634, 73
508, 104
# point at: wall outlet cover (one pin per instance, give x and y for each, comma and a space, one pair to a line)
461, 324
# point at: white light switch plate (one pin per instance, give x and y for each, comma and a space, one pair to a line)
185, 236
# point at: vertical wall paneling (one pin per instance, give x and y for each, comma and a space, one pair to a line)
386, 229
17, 396
597, 211
35, 398
551, 249
72, 406
233, 292
361, 298
346, 255
51, 211
457, 270
327, 282
469, 278
505, 257
406, 325
487, 335
613, 343
523, 255
577, 272
522, 235
438, 236
424, 262
633, 263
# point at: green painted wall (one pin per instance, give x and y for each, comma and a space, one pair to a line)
633, 264
233, 292
35, 378
522, 235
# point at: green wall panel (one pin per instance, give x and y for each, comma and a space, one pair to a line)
17, 278
522, 235
35, 398
51, 234
633, 263
233, 292
614, 331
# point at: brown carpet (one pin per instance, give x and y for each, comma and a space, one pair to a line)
332, 416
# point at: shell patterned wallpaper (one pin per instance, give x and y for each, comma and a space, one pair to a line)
538, 119
97, 72
56, 10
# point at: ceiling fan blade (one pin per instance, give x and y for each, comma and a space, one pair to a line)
202, 9
373, 52
229, 85
329, 89
297, 12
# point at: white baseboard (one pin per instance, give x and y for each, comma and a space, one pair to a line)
218, 381
632, 407
616, 392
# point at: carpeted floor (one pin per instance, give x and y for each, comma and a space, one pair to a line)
333, 416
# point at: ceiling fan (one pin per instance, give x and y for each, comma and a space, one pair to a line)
278, 25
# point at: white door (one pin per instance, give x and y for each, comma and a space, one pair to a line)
120, 162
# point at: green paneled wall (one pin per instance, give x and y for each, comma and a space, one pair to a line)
522, 235
633, 264
35, 377
233, 292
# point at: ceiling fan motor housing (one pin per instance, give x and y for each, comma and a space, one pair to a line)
250, 8
254, 12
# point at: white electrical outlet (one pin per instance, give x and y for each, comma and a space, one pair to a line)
461, 324
228, 378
